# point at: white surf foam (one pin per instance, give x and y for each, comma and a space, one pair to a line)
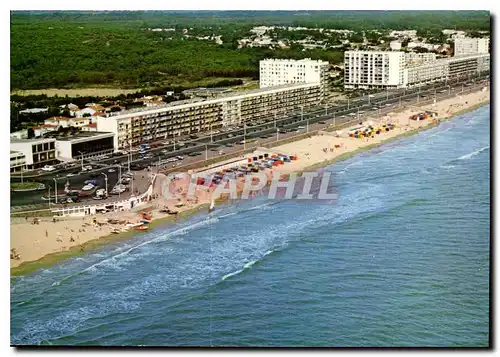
474, 153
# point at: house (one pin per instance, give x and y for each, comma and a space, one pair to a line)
72, 108
150, 101
67, 122
85, 112
114, 108
79, 122
57, 121
97, 108
97, 115
90, 127
44, 128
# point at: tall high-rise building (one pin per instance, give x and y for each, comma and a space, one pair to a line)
468, 46
277, 72
373, 69
379, 69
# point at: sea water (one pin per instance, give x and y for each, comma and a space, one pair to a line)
402, 258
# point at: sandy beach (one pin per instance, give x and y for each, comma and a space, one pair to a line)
31, 242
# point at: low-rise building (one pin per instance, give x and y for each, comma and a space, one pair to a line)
89, 127
37, 152
67, 122
40, 130
17, 161
85, 112
73, 145
34, 111
72, 108
206, 92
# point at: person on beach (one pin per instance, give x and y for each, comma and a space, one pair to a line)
46, 234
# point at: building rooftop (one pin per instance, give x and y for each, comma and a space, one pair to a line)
67, 136
222, 97
207, 90
33, 140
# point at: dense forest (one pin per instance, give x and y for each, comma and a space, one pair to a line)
78, 49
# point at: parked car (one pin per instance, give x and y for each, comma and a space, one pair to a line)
48, 168
179, 157
88, 187
111, 170
71, 174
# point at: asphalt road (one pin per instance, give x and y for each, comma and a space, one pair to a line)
262, 132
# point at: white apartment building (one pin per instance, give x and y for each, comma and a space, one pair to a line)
17, 161
277, 72
419, 58
373, 69
366, 70
166, 121
468, 64
395, 45
37, 152
425, 73
467, 46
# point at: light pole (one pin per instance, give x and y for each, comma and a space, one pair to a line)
81, 156
326, 109
358, 114
245, 135
119, 172
334, 118
347, 103
211, 134
206, 152
277, 134
307, 125
129, 156
302, 113
105, 182
132, 184
55, 188
49, 196
275, 119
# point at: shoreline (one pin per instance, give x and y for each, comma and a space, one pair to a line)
49, 259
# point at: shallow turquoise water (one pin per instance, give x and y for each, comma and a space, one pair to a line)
401, 259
